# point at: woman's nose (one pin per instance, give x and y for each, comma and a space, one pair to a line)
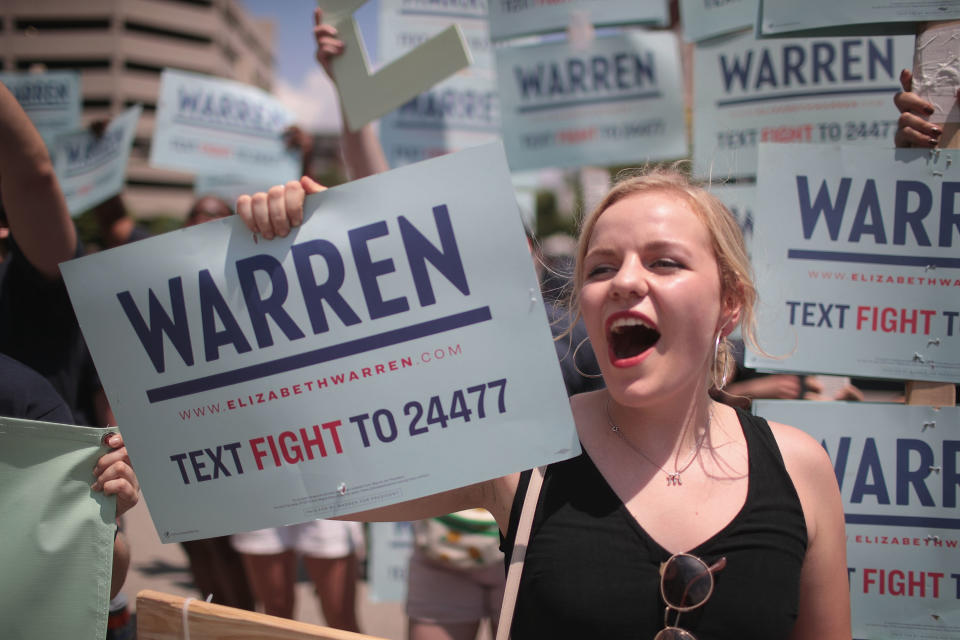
630, 280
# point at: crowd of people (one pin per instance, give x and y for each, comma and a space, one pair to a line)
684, 516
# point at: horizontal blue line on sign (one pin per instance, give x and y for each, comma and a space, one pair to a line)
904, 521
580, 103
318, 356
874, 258
805, 94
443, 14
223, 126
41, 106
445, 126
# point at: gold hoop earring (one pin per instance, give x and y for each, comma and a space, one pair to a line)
577, 350
716, 363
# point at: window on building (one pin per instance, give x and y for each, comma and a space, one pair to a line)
23, 64
61, 24
139, 27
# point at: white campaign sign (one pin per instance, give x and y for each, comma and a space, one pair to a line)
856, 254
215, 126
898, 469
459, 112
704, 19
748, 91
393, 346
511, 18
51, 100
788, 16
91, 169
619, 101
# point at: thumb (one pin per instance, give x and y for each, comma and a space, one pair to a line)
311, 186
906, 80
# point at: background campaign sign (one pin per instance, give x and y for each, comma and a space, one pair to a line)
619, 101
459, 112
210, 125
377, 354
462, 111
741, 200
91, 169
51, 100
787, 16
391, 544
750, 91
857, 261
704, 19
898, 471
511, 18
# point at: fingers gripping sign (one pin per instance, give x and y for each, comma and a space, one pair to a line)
276, 212
913, 128
114, 475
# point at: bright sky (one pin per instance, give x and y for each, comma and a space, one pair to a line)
299, 81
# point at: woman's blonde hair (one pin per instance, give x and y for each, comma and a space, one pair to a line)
736, 275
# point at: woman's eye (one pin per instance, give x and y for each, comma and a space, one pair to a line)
599, 270
666, 263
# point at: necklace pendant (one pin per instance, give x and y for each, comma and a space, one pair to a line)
673, 479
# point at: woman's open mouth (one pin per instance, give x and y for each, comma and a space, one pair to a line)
630, 337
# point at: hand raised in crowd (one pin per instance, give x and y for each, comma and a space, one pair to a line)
275, 212
913, 129
114, 475
329, 44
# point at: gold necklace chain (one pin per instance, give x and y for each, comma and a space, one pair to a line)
673, 479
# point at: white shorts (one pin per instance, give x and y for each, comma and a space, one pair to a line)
316, 539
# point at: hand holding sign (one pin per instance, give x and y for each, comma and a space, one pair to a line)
275, 212
366, 97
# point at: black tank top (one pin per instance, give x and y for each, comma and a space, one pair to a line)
592, 572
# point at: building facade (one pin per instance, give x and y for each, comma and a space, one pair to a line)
119, 47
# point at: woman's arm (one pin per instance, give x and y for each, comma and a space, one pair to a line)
824, 607
362, 153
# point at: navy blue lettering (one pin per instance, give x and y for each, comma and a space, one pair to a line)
870, 465
794, 57
218, 465
907, 478
213, 306
179, 458
869, 206
189, 100
766, 75
313, 293
576, 70
446, 260
902, 216
949, 216
823, 57
197, 465
840, 463
176, 329
259, 308
369, 270
849, 60
832, 211
951, 474
556, 81
883, 59
644, 68
600, 67
736, 70
529, 80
